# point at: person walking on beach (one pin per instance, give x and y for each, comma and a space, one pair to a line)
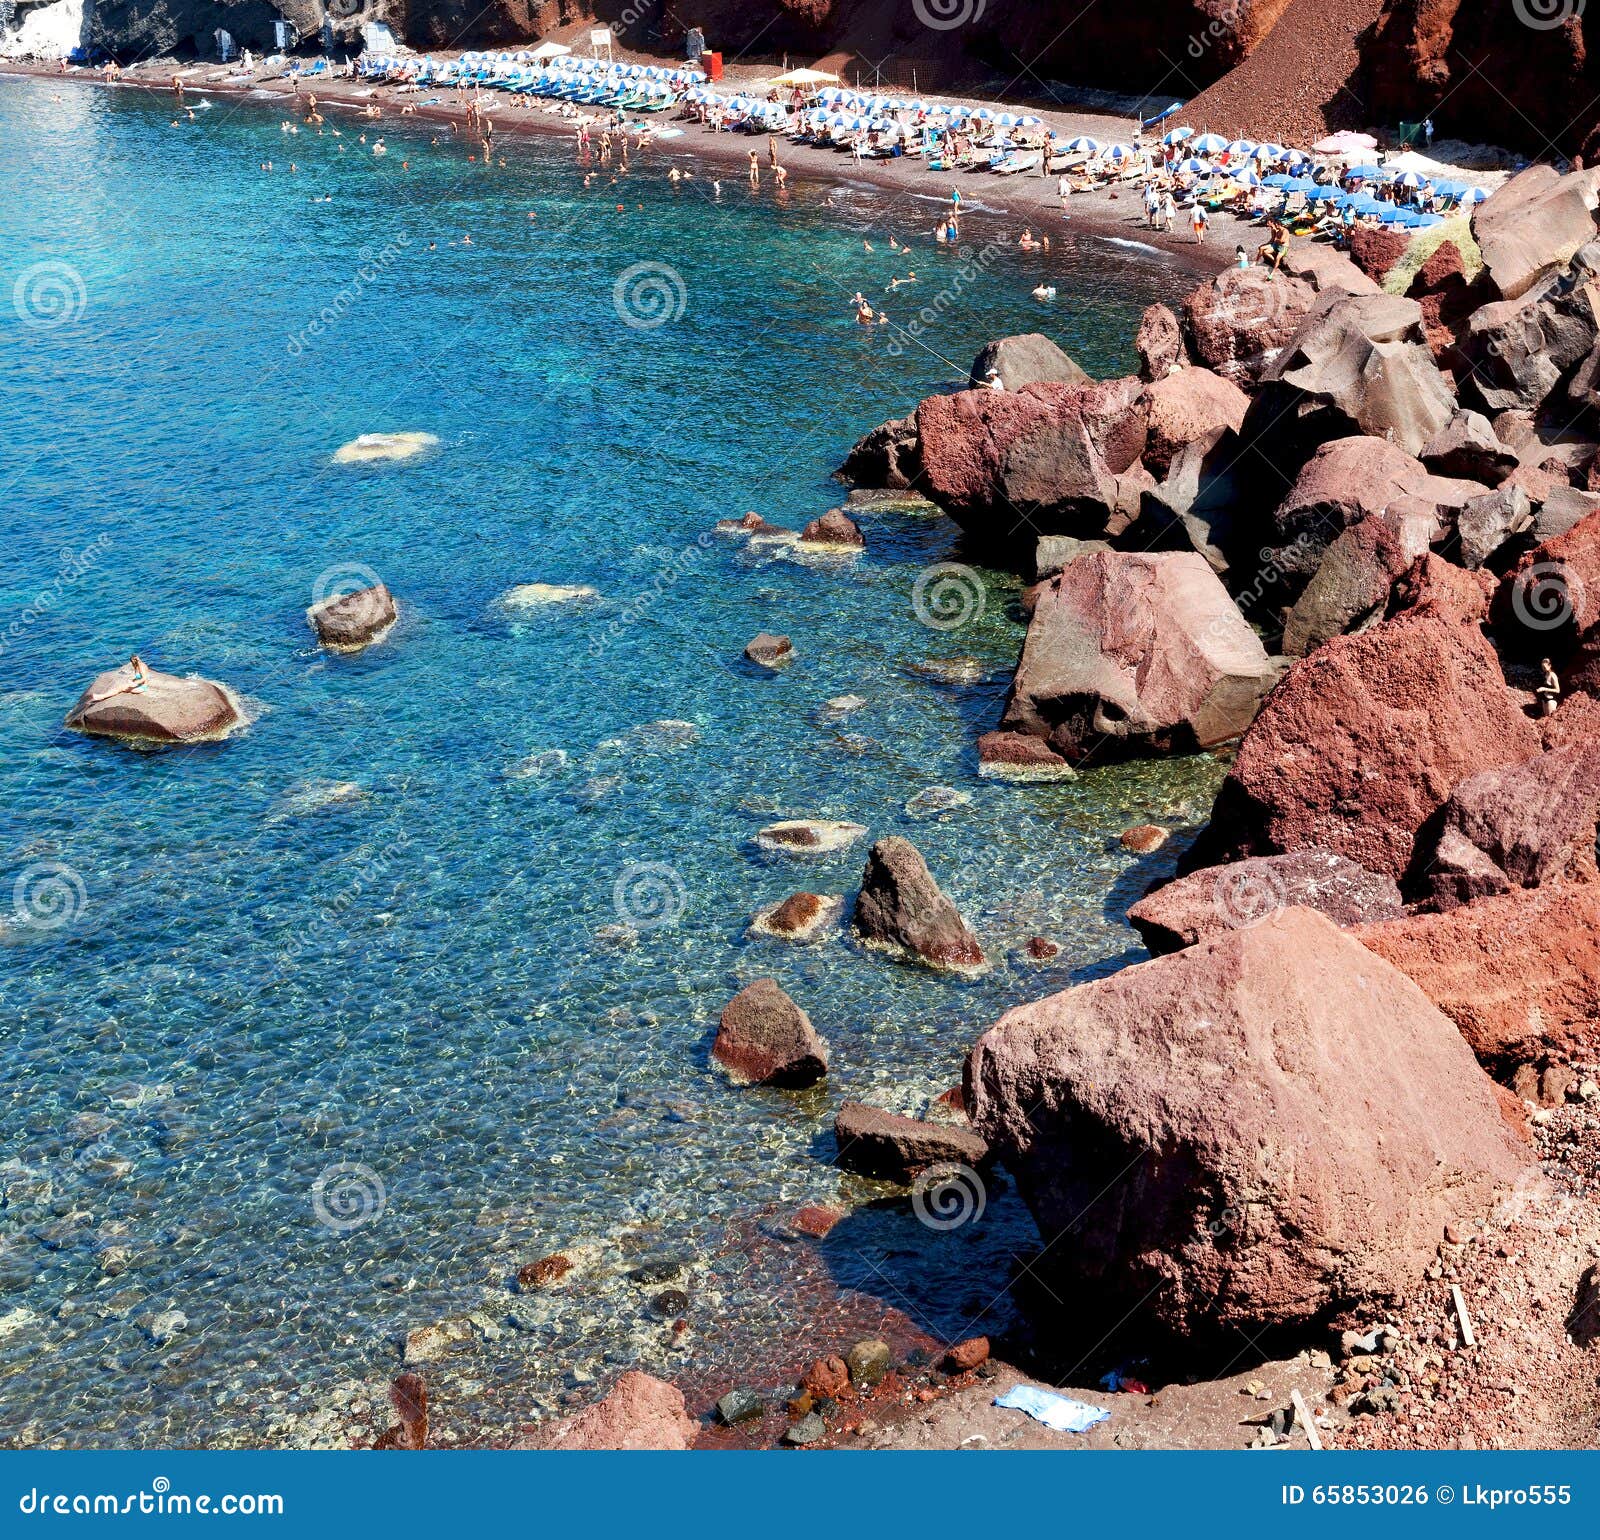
1427, 132
772, 151
1200, 219
1063, 190
1169, 213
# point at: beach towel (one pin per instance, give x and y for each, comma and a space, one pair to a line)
1059, 1412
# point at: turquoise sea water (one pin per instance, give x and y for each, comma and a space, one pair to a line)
317, 1035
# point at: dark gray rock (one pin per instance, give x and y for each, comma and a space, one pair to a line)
901, 908
892, 1148
1028, 359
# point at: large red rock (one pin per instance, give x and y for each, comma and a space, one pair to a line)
1439, 589
169, 709
1518, 973
1364, 741
1519, 826
641, 1412
1217, 899
1010, 466
1136, 653
764, 1038
1250, 1133
899, 1149
1350, 479
1375, 251
1240, 319
1187, 406
353, 621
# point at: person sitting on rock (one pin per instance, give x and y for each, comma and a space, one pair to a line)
1549, 691
136, 684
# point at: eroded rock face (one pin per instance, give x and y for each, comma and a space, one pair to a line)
169, 709
1466, 448
764, 1038
641, 1412
903, 910
1218, 899
1518, 973
886, 458
1028, 359
898, 1149
1364, 741
1195, 1135
1438, 589
1191, 404
1534, 225
1350, 589
1551, 597
1135, 654
1519, 826
351, 622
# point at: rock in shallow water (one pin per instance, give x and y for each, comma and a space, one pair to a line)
350, 622
531, 596
764, 1038
902, 909
769, 651
809, 836
169, 709
641, 1412
801, 917
383, 446
892, 1148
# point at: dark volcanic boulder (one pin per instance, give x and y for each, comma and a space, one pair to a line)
1196, 1136
1133, 654
1534, 226
896, 1149
1191, 404
902, 909
1519, 826
1518, 973
1466, 448
1552, 596
1222, 898
1361, 360
1159, 343
1485, 523
169, 709
835, 530
766, 1039
1520, 349
1194, 506
1350, 589
1363, 741
886, 458
1029, 359
349, 622
1239, 320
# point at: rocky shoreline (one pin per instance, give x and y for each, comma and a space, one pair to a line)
1344, 1122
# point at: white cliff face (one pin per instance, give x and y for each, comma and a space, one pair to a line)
44, 31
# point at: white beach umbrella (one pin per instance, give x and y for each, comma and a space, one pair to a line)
1177, 135
1209, 144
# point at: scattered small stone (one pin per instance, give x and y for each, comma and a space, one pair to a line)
165, 1326
937, 802
810, 1429
827, 1379
816, 1221
543, 1273
1042, 949
1144, 838
967, 1355
868, 1362
739, 1406
670, 1303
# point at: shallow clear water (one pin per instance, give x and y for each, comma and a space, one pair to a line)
381, 927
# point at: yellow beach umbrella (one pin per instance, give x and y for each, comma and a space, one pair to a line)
805, 78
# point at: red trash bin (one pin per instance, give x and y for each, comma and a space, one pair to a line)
713, 64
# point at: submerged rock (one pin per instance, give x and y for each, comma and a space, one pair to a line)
641, 1412
1020, 757
1201, 1129
801, 917
529, 596
383, 446
834, 531
902, 909
753, 526
169, 709
766, 1039
809, 836
936, 802
350, 622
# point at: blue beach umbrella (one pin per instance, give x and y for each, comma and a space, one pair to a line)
1242, 147
1177, 135
1083, 144
1163, 115
1364, 173
1278, 179
1268, 152
1474, 195
1194, 166
1029, 120
1209, 144
1325, 195
1119, 152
